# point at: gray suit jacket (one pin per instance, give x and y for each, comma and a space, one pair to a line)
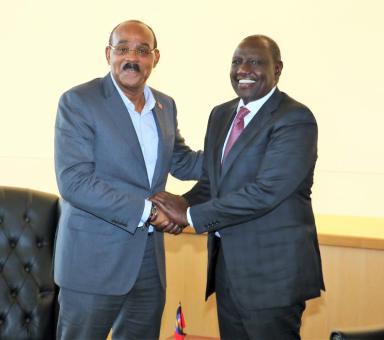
103, 181
259, 200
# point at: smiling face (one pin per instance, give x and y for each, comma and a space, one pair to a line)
255, 69
131, 69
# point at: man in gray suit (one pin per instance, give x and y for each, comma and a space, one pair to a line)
254, 201
116, 140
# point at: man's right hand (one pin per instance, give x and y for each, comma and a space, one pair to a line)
174, 206
162, 223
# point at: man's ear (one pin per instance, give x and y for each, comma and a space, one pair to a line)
157, 57
108, 54
278, 69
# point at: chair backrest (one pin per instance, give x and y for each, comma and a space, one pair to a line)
28, 295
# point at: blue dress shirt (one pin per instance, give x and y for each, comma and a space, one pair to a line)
146, 131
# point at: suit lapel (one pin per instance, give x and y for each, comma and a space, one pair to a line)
120, 116
227, 117
257, 123
161, 123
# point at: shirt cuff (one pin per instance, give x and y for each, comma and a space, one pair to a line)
146, 212
189, 218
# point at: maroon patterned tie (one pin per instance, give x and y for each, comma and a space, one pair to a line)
237, 129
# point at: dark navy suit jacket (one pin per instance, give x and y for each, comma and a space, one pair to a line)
259, 200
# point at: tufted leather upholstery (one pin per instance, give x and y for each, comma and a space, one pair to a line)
372, 334
28, 295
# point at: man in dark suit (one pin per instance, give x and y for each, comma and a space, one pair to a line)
116, 140
254, 201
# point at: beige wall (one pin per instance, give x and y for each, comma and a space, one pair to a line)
332, 51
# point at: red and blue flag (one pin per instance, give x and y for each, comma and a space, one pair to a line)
180, 324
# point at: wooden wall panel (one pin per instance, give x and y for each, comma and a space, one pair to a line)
354, 298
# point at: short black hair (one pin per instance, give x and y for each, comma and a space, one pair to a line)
272, 45
138, 22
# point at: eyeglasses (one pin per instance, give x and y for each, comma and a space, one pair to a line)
142, 51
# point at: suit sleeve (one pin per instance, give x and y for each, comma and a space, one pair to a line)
186, 164
288, 160
75, 168
201, 191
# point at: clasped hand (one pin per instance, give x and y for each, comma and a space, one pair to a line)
171, 212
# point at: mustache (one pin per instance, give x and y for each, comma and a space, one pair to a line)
131, 66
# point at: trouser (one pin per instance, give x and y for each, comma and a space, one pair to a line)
235, 322
135, 315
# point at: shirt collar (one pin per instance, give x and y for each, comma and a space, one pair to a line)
148, 95
255, 105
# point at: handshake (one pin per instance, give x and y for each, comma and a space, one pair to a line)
170, 214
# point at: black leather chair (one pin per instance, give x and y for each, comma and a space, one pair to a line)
28, 295
371, 334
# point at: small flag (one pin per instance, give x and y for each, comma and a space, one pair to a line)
180, 324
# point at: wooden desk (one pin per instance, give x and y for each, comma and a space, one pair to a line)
351, 231
352, 250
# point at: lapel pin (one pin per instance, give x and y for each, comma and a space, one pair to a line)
160, 105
